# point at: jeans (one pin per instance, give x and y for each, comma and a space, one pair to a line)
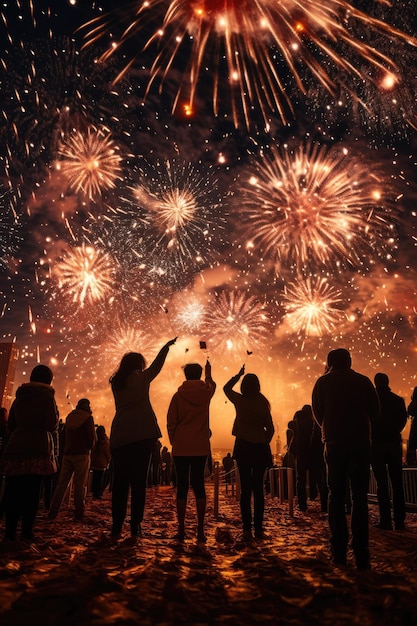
97, 484
252, 477
77, 466
302, 467
387, 461
190, 470
354, 465
21, 501
130, 470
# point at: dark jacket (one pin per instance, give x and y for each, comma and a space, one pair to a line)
388, 426
80, 434
32, 419
253, 422
301, 443
135, 419
345, 403
100, 454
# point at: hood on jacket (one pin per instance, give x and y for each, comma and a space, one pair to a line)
76, 418
194, 392
29, 391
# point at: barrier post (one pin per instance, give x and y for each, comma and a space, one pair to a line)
281, 485
290, 483
237, 478
216, 478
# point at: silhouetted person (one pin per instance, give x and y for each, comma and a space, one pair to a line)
288, 460
3, 440
166, 462
134, 431
387, 454
344, 404
50, 481
80, 438
3, 428
189, 433
253, 429
154, 472
100, 460
412, 437
318, 476
28, 455
301, 449
228, 467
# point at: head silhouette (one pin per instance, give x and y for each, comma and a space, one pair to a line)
100, 432
381, 381
339, 359
193, 371
130, 362
41, 374
84, 405
250, 385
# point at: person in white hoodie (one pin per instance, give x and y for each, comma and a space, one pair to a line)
80, 438
189, 434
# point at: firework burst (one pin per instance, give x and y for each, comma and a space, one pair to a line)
90, 162
85, 274
312, 306
189, 314
235, 323
316, 206
124, 338
180, 207
48, 89
10, 227
265, 44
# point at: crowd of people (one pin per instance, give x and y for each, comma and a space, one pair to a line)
350, 426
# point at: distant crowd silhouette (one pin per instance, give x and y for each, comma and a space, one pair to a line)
351, 426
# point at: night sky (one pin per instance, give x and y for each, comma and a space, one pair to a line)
242, 175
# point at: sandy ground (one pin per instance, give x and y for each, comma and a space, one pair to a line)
73, 574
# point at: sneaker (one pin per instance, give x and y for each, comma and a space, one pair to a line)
247, 536
400, 526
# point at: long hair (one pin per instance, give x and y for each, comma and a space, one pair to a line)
130, 362
250, 387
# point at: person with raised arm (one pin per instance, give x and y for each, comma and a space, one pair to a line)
253, 428
134, 431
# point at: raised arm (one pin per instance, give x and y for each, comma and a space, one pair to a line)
228, 388
207, 375
155, 367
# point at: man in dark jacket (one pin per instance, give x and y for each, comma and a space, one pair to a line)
345, 404
301, 448
387, 453
80, 438
28, 455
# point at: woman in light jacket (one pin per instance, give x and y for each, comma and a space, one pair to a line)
253, 429
189, 433
133, 433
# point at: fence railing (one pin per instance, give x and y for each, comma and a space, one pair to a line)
410, 488
281, 482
